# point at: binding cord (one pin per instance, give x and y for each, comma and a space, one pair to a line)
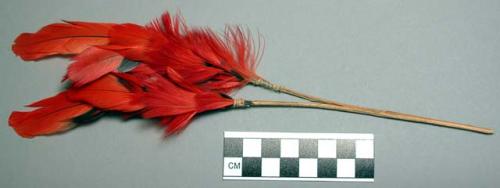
242, 103
266, 84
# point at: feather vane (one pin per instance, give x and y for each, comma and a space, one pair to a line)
54, 115
68, 38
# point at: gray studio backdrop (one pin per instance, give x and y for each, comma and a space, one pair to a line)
433, 58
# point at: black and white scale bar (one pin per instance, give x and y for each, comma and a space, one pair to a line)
299, 156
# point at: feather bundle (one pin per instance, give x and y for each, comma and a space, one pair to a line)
163, 70
177, 103
199, 55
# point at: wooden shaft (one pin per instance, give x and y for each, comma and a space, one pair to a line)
261, 82
371, 112
308, 97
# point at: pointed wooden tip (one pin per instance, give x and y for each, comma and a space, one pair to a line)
488, 131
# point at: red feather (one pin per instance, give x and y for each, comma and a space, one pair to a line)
61, 39
108, 93
182, 72
173, 100
132, 40
178, 102
234, 53
92, 64
54, 115
200, 56
178, 123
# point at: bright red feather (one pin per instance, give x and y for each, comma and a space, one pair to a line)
108, 93
54, 115
71, 37
92, 64
181, 73
132, 40
178, 123
200, 56
177, 102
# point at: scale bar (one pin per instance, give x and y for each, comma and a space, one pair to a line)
301, 179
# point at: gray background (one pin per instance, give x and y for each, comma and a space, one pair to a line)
432, 58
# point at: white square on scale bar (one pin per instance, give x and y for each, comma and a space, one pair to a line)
289, 148
308, 167
251, 147
271, 167
232, 166
364, 149
327, 148
346, 168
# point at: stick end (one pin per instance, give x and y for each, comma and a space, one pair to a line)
488, 131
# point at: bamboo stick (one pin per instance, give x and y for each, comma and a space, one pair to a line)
320, 103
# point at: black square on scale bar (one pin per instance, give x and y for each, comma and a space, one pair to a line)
289, 167
364, 168
252, 167
327, 168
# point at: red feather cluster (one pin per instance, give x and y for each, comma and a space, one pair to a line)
163, 70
